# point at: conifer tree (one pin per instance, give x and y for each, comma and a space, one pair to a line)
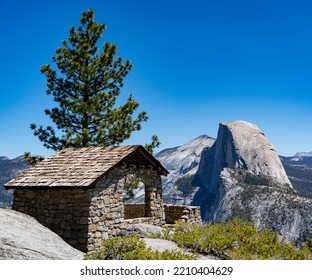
86, 87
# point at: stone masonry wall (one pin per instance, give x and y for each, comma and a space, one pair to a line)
64, 211
182, 212
84, 217
135, 210
107, 209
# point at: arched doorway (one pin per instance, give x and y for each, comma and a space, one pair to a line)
137, 200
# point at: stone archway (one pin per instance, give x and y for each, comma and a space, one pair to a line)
135, 207
152, 205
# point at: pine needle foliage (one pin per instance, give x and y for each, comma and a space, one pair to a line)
86, 85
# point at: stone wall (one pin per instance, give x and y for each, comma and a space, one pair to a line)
134, 210
107, 209
84, 217
64, 211
182, 212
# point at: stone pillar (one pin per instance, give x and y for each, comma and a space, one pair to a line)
157, 207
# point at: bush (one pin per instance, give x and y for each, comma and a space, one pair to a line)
133, 248
237, 239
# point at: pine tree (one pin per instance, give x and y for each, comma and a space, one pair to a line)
86, 87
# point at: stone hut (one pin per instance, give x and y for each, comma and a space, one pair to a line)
79, 193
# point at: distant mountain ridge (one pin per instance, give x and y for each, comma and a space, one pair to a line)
185, 157
182, 163
299, 171
9, 169
303, 154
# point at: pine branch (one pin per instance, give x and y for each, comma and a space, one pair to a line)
86, 86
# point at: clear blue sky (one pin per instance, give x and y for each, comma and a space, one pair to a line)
196, 63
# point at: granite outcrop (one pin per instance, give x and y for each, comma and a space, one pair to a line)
242, 175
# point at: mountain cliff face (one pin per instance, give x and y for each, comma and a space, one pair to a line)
242, 175
182, 163
185, 158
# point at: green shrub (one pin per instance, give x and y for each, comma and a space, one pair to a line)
133, 248
237, 239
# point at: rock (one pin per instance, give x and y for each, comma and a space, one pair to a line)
253, 151
146, 230
240, 145
182, 162
161, 244
242, 175
184, 158
23, 238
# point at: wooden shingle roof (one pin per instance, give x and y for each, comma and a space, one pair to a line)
82, 167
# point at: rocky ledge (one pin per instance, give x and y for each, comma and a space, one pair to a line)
23, 238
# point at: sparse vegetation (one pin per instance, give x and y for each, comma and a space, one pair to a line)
300, 177
133, 248
244, 213
248, 178
185, 185
237, 239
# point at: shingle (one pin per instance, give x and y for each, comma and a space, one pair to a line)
78, 167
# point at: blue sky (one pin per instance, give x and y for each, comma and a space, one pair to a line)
196, 63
